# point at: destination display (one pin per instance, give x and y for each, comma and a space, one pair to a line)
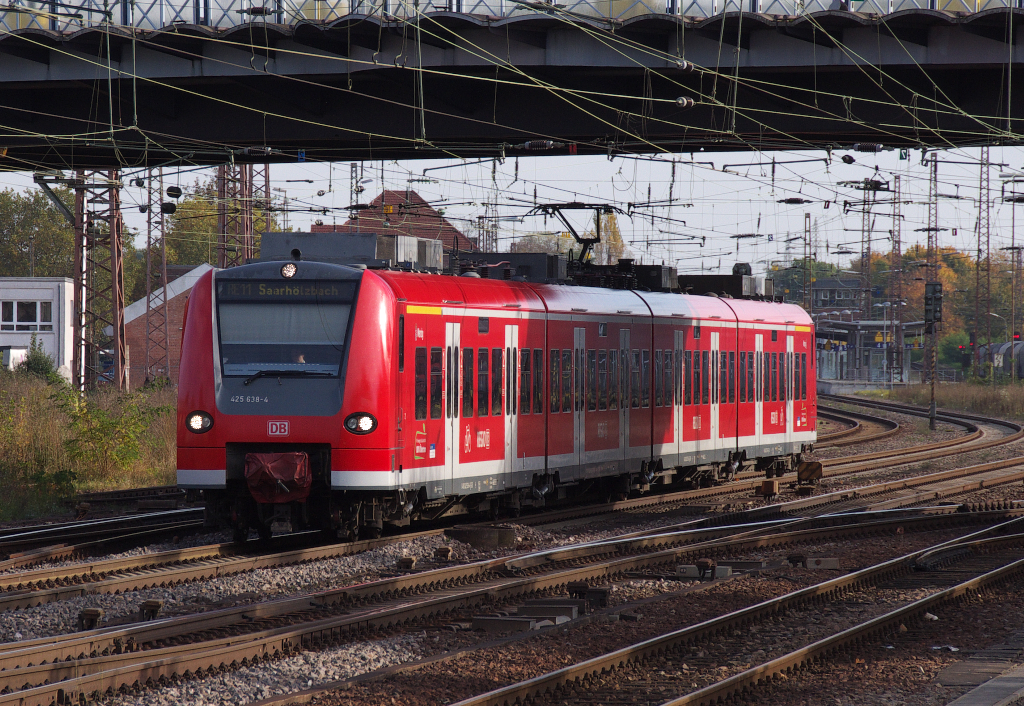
292, 291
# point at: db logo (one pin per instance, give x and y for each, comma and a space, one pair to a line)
279, 428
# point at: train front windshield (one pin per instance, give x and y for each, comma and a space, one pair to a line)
273, 327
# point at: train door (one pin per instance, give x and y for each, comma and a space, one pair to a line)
758, 388
678, 423
624, 392
789, 389
452, 331
512, 463
579, 388
715, 402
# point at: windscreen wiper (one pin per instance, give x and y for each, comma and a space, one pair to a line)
285, 374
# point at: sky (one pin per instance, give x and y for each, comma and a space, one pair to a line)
714, 196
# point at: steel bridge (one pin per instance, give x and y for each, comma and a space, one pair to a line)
120, 84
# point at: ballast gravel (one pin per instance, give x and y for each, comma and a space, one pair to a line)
282, 676
244, 588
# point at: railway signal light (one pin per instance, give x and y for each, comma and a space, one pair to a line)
932, 303
1016, 335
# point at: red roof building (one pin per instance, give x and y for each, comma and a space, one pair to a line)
409, 214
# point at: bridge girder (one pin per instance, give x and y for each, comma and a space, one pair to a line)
347, 90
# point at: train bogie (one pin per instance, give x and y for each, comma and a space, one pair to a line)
346, 400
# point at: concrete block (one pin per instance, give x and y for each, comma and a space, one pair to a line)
743, 564
89, 618
598, 597
723, 572
548, 611
407, 563
491, 624
580, 603
484, 538
150, 608
688, 571
443, 553
578, 589
815, 562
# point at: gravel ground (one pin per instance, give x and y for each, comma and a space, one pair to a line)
903, 669
281, 676
913, 431
250, 587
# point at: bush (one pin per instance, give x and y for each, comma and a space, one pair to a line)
38, 362
974, 395
55, 442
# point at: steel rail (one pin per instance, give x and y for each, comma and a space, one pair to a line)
70, 660
842, 433
858, 433
520, 692
825, 648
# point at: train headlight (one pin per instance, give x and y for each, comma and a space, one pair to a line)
199, 422
289, 270
360, 423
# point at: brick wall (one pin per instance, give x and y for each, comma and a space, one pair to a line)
135, 333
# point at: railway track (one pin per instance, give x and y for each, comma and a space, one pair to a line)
663, 669
862, 428
57, 669
30, 588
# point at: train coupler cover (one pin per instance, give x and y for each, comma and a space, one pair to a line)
278, 477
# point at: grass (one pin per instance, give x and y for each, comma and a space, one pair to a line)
54, 443
1006, 401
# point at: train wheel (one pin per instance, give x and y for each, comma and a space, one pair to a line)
240, 535
265, 531
372, 532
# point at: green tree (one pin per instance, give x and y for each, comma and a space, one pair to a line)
191, 233
35, 238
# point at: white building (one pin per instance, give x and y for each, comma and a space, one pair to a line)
37, 306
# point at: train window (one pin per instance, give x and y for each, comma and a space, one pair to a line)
723, 378
602, 330
555, 377
634, 380
538, 381
483, 384
775, 377
659, 379
510, 365
687, 373
696, 332
566, 380
602, 380
794, 376
401, 344
766, 379
743, 376
455, 382
436, 384
513, 370
624, 378
467, 382
679, 377
448, 384
775, 335
483, 325
668, 379
703, 377
421, 383
495, 382
613, 379
525, 382
803, 376
592, 380
732, 376
750, 376
645, 377
578, 389
783, 375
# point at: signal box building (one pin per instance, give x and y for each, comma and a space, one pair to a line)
42, 307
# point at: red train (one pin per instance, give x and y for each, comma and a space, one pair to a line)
343, 399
